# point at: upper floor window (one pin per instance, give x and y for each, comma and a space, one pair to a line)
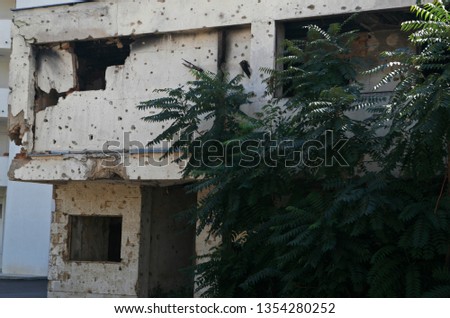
378, 31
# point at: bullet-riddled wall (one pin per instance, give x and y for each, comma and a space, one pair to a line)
81, 278
74, 90
118, 240
55, 114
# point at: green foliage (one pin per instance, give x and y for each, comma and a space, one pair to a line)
210, 97
324, 230
419, 109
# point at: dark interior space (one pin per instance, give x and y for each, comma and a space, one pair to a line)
44, 100
95, 238
171, 243
363, 22
93, 59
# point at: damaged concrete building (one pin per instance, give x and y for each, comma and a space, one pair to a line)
78, 72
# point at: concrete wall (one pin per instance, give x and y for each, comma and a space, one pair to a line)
157, 248
154, 62
164, 33
95, 279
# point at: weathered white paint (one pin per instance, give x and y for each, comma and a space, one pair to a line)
55, 70
89, 119
112, 112
89, 167
100, 19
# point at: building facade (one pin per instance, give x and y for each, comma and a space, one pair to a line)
77, 74
25, 208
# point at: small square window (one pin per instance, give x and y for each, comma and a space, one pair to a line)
95, 238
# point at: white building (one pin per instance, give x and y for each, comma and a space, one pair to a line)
25, 208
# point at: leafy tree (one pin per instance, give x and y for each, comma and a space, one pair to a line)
415, 147
419, 109
292, 225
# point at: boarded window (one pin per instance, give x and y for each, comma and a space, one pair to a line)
95, 238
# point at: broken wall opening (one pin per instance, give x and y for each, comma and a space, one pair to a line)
94, 57
75, 66
171, 242
95, 238
44, 100
55, 74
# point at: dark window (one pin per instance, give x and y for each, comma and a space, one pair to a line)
378, 31
93, 59
95, 238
